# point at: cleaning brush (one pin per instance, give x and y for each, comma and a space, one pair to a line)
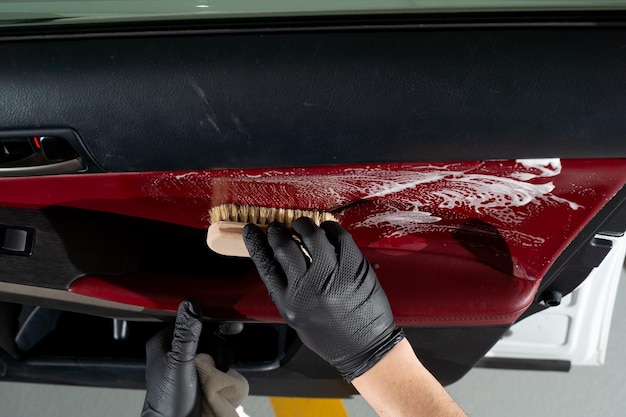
228, 220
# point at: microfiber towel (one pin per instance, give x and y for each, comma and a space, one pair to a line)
222, 392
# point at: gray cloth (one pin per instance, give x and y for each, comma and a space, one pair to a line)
222, 392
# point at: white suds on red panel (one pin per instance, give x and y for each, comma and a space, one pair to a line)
410, 198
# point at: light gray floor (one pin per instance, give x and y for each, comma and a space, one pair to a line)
585, 391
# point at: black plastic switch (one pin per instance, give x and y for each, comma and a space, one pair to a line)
16, 240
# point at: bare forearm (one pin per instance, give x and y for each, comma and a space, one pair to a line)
399, 385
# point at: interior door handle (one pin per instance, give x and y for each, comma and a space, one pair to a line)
46, 155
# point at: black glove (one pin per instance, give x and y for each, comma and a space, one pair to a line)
330, 295
172, 388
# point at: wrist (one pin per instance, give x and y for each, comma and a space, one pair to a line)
399, 385
363, 362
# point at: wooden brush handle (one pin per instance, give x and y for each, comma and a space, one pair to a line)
226, 238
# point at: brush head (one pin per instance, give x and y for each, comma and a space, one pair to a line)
265, 215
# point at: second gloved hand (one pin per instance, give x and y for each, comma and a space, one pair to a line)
172, 388
329, 295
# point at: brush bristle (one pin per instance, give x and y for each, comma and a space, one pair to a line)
265, 215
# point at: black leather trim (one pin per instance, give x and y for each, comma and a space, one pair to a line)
305, 99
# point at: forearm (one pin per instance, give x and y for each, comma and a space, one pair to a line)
399, 385
333, 299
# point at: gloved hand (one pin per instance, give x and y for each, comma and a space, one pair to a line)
172, 388
333, 299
